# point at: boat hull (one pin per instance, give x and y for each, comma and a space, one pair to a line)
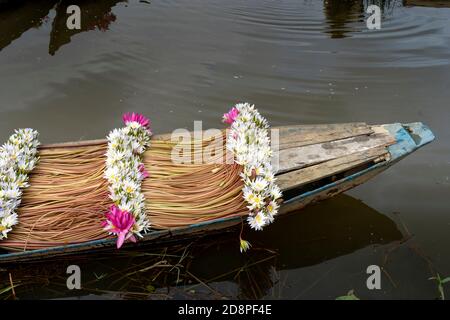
407, 139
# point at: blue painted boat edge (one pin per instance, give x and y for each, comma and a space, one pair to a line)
405, 145
422, 131
111, 241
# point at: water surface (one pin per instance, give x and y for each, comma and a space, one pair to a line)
300, 62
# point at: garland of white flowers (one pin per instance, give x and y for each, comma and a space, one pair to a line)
18, 157
249, 141
125, 172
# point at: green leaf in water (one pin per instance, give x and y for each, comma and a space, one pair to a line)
446, 280
350, 296
150, 288
440, 285
100, 277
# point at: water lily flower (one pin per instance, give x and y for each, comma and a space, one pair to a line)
125, 172
244, 244
258, 221
144, 173
138, 118
276, 192
119, 223
130, 187
18, 157
272, 208
248, 140
259, 184
231, 116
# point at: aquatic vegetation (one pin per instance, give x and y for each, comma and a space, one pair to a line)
119, 223
349, 296
244, 245
18, 157
141, 120
231, 116
125, 172
249, 142
440, 284
6, 290
150, 272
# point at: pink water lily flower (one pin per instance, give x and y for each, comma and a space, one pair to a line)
144, 173
136, 117
231, 116
119, 222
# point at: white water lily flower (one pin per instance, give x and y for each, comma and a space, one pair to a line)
10, 220
18, 157
13, 192
276, 192
256, 202
269, 218
112, 174
272, 208
249, 141
130, 187
124, 169
258, 221
259, 184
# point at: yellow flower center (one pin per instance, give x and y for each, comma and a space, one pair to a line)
129, 190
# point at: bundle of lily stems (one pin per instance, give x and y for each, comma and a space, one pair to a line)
69, 195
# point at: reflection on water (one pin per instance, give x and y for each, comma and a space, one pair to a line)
340, 14
319, 233
347, 16
16, 20
95, 15
342, 17
299, 61
427, 3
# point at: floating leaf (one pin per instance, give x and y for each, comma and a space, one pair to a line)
350, 296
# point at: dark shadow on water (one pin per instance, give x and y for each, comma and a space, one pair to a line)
427, 3
96, 15
212, 266
18, 17
341, 15
16, 20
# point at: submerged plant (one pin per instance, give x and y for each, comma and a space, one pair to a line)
440, 283
350, 296
244, 245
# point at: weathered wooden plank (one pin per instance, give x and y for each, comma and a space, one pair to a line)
310, 174
300, 157
337, 187
287, 141
285, 132
306, 128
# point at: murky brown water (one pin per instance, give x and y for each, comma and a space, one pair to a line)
300, 62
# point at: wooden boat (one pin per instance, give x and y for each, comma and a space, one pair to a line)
315, 162
309, 238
